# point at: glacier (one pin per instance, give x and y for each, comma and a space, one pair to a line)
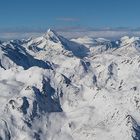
53, 88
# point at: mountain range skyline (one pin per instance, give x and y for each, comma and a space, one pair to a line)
71, 32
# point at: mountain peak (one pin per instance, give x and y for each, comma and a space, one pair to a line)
51, 31
52, 35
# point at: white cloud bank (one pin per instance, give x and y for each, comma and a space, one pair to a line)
72, 34
17, 35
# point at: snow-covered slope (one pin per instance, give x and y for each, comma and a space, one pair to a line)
53, 88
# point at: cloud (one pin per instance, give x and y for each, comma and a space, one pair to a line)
100, 34
72, 32
18, 35
111, 33
67, 19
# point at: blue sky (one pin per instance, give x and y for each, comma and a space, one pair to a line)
42, 14
23, 18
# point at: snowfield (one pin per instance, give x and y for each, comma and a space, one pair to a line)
53, 88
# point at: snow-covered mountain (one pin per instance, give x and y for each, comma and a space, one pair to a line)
53, 88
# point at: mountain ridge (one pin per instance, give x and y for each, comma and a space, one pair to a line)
53, 88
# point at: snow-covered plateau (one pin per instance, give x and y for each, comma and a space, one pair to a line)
53, 88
